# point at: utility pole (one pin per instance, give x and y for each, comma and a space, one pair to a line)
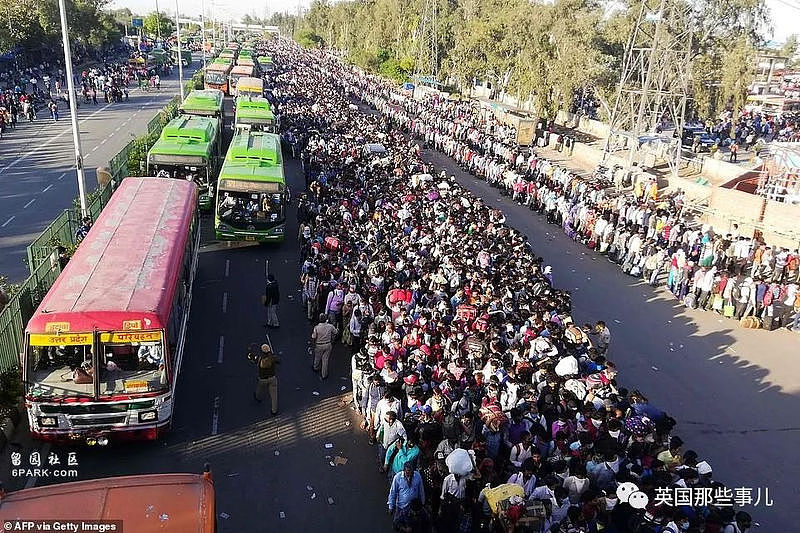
158, 22
426, 66
180, 56
203, 28
73, 108
654, 85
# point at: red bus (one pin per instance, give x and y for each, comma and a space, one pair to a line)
104, 348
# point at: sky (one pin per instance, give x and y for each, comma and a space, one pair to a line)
785, 13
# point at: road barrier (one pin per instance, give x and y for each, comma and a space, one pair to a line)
50, 251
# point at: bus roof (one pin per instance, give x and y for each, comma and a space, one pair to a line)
245, 62
190, 129
264, 59
244, 171
253, 107
155, 503
203, 100
247, 70
219, 67
128, 264
222, 61
255, 148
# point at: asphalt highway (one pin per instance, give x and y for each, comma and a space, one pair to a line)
37, 174
733, 392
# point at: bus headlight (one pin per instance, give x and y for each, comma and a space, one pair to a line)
279, 231
148, 416
48, 421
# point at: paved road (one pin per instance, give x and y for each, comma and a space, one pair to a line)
37, 176
732, 391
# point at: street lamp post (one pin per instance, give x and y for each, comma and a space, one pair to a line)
73, 105
158, 22
180, 56
203, 28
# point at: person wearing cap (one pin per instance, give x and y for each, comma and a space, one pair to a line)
322, 337
266, 362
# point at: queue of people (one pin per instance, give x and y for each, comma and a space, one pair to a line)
649, 236
468, 370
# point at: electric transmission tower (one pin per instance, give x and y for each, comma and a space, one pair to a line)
426, 66
652, 94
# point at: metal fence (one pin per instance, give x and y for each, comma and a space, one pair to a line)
21, 307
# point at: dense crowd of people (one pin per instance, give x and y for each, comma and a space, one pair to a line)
649, 235
467, 367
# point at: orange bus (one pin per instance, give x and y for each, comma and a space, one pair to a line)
239, 71
216, 77
154, 503
104, 348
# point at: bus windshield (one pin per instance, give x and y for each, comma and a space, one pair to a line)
215, 76
254, 209
63, 370
132, 363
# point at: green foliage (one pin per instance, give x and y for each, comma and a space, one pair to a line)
308, 39
155, 22
10, 390
7, 291
537, 50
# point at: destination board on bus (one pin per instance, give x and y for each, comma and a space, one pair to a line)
249, 186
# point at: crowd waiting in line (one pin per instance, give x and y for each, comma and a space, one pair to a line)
461, 347
648, 235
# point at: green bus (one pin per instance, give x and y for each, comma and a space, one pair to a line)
266, 64
185, 54
245, 52
204, 103
252, 195
189, 148
255, 113
228, 53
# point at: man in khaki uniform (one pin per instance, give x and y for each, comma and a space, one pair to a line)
322, 338
266, 362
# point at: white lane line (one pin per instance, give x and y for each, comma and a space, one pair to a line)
51, 141
103, 141
118, 128
95, 148
49, 186
6, 223
221, 349
45, 452
227, 267
215, 417
225, 303
26, 206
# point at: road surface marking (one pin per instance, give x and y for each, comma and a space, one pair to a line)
221, 349
26, 206
45, 452
224, 303
118, 128
51, 185
51, 141
103, 141
95, 148
12, 217
227, 267
215, 417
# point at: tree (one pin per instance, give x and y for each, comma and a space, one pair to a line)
156, 23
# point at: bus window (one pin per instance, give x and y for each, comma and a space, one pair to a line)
132, 367
58, 371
